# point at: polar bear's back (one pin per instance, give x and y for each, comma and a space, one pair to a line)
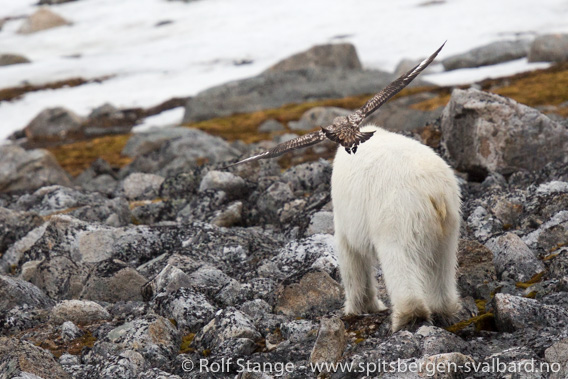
393, 186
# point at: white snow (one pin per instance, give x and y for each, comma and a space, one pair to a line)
197, 49
171, 117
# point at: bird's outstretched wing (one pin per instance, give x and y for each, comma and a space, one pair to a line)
296, 143
395, 87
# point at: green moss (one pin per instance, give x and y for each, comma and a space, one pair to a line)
206, 352
531, 295
359, 340
535, 279
186, 343
484, 321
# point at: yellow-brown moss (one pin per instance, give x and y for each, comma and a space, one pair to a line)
186, 343
535, 279
12, 93
76, 157
484, 321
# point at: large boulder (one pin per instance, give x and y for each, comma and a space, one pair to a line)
22, 359
42, 19
487, 132
274, 89
496, 52
10, 59
549, 48
28, 170
338, 56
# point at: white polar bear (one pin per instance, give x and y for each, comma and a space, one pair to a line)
397, 201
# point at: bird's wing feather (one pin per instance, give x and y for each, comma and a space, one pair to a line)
296, 143
395, 87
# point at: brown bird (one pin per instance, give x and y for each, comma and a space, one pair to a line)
346, 130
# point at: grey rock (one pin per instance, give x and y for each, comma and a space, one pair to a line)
54, 124
295, 331
406, 64
21, 357
42, 19
517, 313
146, 142
189, 308
317, 117
273, 199
15, 225
535, 238
78, 312
513, 259
28, 170
558, 353
321, 223
53, 2
154, 337
138, 186
439, 341
549, 48
274, 89
316, 293
508, 212
311, 176
156, 373
10, 59
208, 279
229, 325
271, 125
330, 342
336, 56
443, 365
168, 280
182, 185
487, 132
15, 292
495, 52
232, 184
128, 364
70, 331
113, 281
230, 216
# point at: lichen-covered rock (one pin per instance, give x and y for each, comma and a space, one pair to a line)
10, 59
439, 341
70, 331
21, 358
189, 308
317, 117
78, 311
54, 124
112, 281
15, 292
321, 223
486, 132
516, 313
15, 225
138, 186
28, 170
447, 365
483, 224
232, 184
476, 269
513, 259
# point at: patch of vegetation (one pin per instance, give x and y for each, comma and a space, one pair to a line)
13, 93
485, 321
535, 279
77, 156
186, 343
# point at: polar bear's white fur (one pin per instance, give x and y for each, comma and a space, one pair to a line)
398, 201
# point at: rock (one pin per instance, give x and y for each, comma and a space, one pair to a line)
78, 312
336, 56
309, 177
476, 269
439, 341
23, 359
230, 216
486, 132
42, 19
273, 199
513, 259
558, 353
316, 293
15, 225
70, 331
549, 48
146, 142
138, 186
10, 59
28, 170
154, 337
53, 2
15, 292
190, 309
406, 64
317, 117
229, 326
232, 184
180, 186
508, 212
495, 52
54, 124
113, 281
321, 223
168, 280
270, 125
274, 89
517, 313
330, 343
